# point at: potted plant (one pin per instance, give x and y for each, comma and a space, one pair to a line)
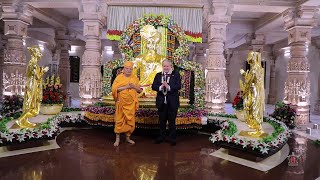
285, 113
237, 105
52, 97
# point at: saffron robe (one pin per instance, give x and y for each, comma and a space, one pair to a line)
126, 104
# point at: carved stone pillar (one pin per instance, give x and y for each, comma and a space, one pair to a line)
258, 42
16, 17
272, 86
216, 83
63, 44
91, 13
2, 47
317, 104
55, 61
228, 54
200, 52
298, 23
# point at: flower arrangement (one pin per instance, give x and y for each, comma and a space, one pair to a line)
11, 105
285, 113
179, 53
154, 20
237, 103
52, 93
228, 130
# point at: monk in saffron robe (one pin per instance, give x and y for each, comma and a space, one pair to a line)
125, 89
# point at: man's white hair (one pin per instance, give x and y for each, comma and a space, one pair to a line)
168, 61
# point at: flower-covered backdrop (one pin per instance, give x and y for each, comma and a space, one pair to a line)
190, 71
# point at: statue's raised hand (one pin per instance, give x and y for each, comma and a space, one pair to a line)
46, 69
242, 72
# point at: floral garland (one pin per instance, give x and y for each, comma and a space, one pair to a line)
145, 112
107, 75
199, 84
46, 130
154, 20
263, 146
178, 55
115, 35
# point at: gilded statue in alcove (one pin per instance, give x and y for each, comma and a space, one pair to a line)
253, 95
148, 64
33, 89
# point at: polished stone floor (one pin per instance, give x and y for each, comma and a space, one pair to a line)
89, 154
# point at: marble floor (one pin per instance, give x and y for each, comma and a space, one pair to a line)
89, 154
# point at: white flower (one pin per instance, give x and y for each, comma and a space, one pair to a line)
264, 150
245, 144
10, 137
4, 135
40, 134
20, 138
275, 143
50, 134
213, 139
255, 145
265, 144
30, 135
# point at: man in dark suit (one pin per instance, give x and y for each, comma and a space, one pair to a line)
167, 84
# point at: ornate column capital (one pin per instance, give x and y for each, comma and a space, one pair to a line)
17, 16
298, 22
63, 42
93, 10
221, 12
258, 42
301, 16
17, 11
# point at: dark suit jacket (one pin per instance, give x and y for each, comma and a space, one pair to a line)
172, 95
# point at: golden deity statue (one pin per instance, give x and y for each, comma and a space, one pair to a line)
253, 96
148, 64
33, 89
